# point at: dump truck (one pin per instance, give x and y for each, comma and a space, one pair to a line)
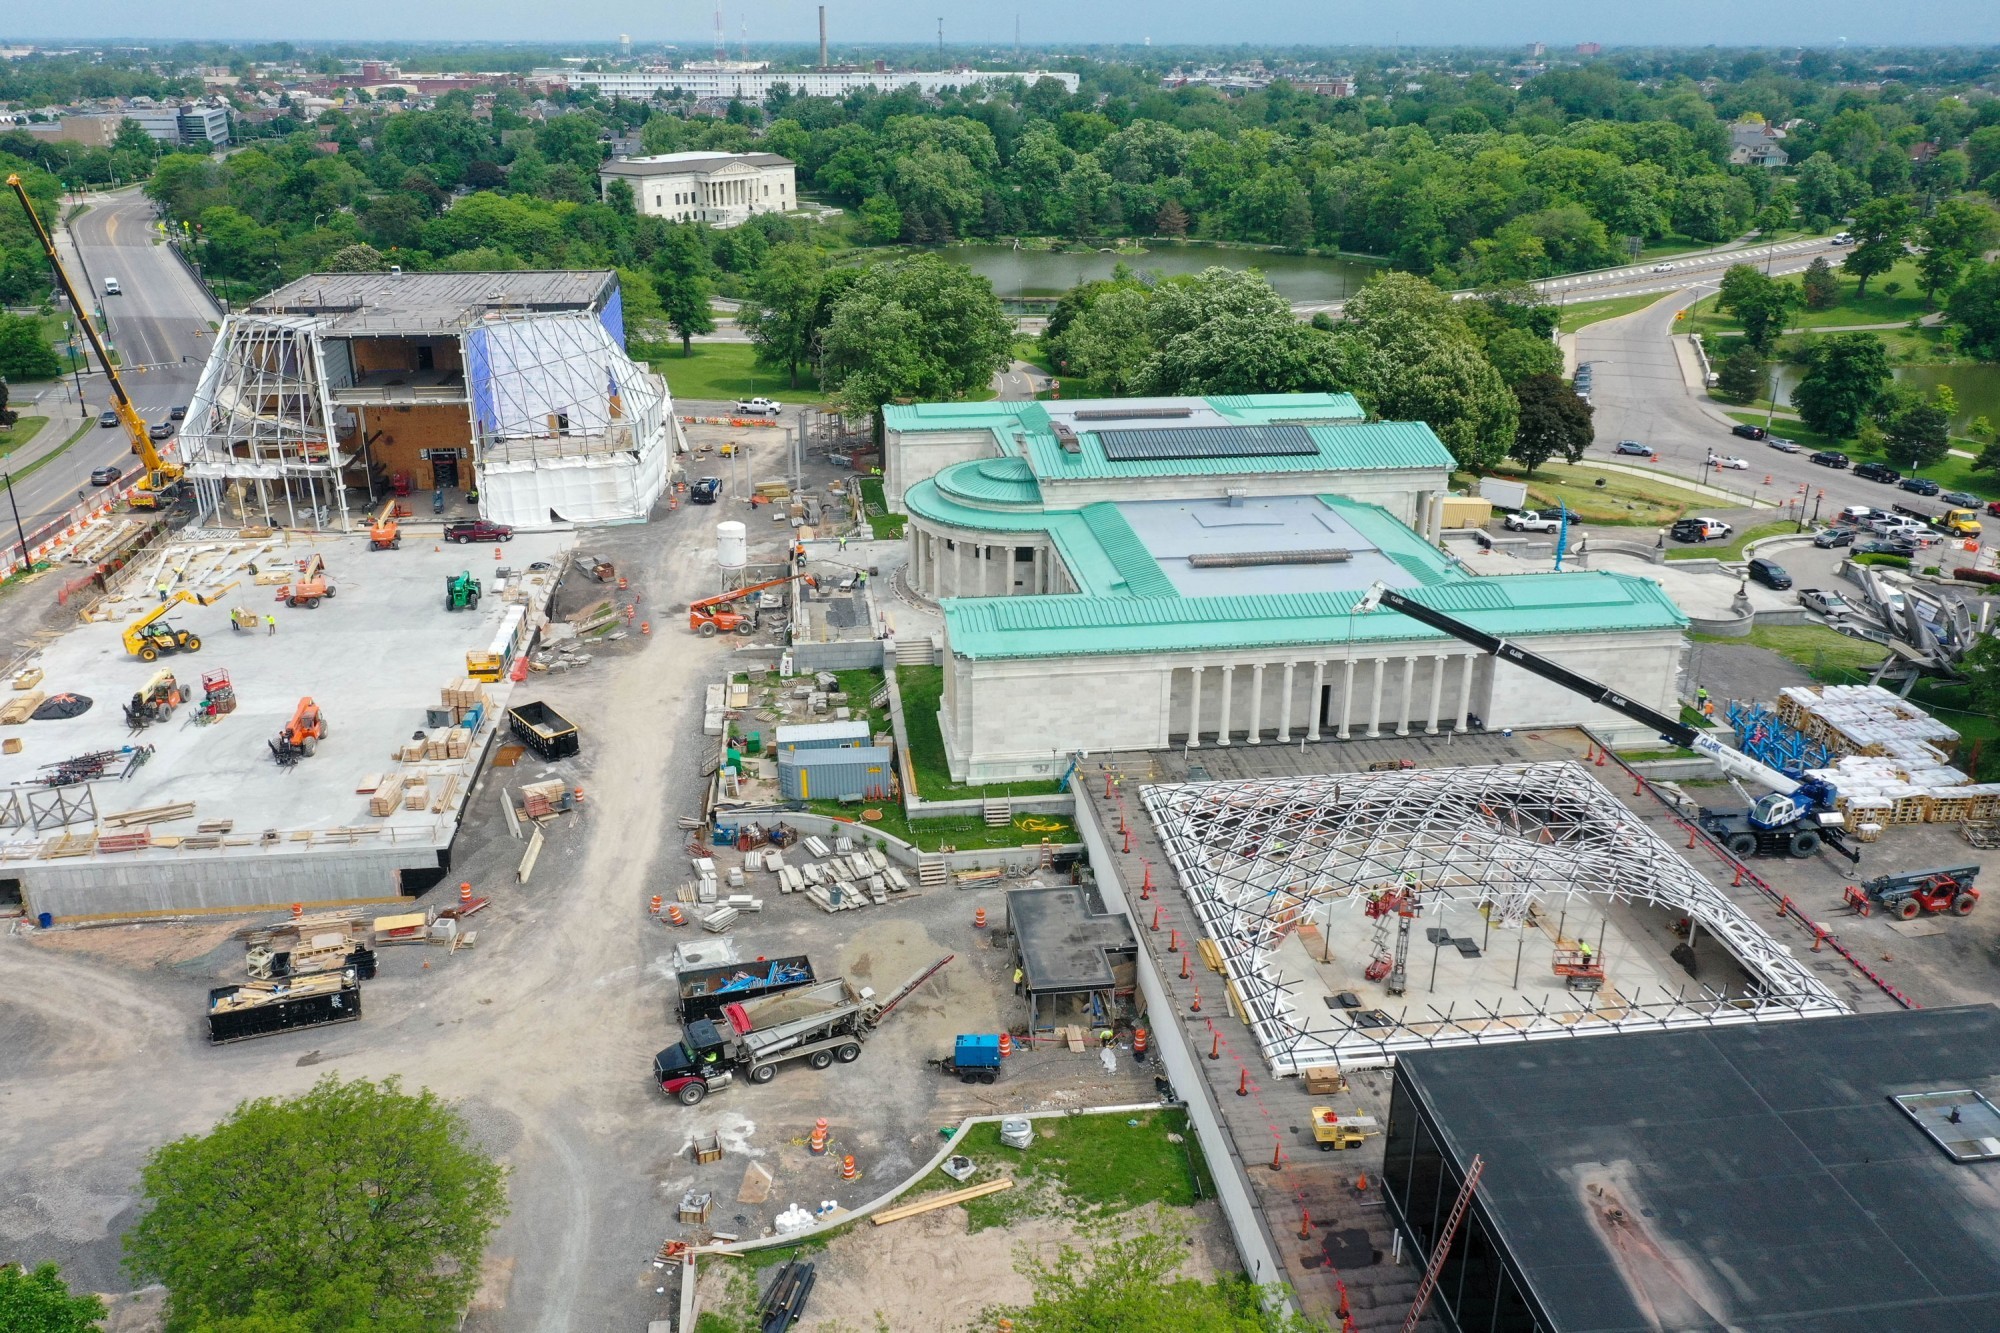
543, 730
263, 1008
820, 1023
704, 992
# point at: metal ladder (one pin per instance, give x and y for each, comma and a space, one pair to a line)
1443, 1247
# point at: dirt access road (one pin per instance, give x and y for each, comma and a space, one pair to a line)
545, 1031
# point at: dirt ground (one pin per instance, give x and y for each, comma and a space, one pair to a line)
543, 1033
931, 1272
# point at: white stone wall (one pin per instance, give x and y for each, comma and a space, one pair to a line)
914, 456
1006, 720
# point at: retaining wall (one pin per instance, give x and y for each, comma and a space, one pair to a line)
174, 885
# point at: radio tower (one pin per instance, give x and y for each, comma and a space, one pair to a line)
721, 47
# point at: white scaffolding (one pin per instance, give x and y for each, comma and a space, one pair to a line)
261, 430
1260, 857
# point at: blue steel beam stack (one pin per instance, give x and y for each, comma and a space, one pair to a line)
1767, 738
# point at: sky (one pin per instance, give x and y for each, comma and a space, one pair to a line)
1044, 23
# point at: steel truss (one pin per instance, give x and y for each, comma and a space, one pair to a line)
1259, 857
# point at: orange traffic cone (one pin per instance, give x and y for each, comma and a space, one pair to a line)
465, 895
1006, 1046
979, 919
847, 1169
298, 910
817, 1144
678, 917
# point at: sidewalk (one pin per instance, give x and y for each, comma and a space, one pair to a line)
60, 409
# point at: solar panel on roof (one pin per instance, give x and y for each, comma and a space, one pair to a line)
1131, 446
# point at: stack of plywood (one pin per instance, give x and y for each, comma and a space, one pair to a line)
387, 796
16, 711
412, 751
458, 744
416, 795
461, 696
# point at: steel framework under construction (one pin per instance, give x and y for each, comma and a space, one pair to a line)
1260, 858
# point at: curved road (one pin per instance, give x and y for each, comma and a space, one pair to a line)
159, 327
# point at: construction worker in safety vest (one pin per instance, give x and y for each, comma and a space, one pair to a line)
1107, 1036
1017, 980
1584, 953
1701, 698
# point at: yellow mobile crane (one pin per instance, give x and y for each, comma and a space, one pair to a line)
161, 485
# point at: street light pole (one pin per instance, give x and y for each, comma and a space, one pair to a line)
19, 531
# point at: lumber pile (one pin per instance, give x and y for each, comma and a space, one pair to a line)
152, 814
16, 711
28, 678
388, 796
932, 1202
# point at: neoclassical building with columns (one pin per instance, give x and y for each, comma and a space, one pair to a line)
1139, 573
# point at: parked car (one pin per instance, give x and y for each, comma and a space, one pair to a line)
1783, 445
1688, 530
1889, 524
106, 476
1920, 486
1881, 472
1826, 603
1858, 514
1732, 464
1716, 527
1993, 507
178, 414
1962, 499
1633, 447
106, 420
1832, 458
1828, 538
1529, 520
1886, 546
1769, 573
758, 407
161, 430
478, 530
1748, 432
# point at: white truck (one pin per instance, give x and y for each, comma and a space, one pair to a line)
1532, 520
758, 407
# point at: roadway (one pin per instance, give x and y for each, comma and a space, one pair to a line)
159, 327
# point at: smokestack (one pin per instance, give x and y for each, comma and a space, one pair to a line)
822, 36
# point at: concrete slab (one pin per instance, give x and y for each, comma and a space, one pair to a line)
374, 657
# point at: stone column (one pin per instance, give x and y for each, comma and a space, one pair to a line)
1194, 707
1318, 701
1222, 727
1437, 693
1403, 704
1346, 695
1465, 691
958, 568
1375, 700
1285, 707
1256, 703
1035, 570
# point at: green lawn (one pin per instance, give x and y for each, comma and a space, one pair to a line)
721, 371
1732, 549
1096, 1164
1876, 307
1576, 314
18, 434
885, 525
1827, 654
1605, 498
1030, 351
965, 832
922, 688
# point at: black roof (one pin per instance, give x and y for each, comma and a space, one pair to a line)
1064, 935
1753, 1177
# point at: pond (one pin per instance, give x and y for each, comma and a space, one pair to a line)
1017, 274
1977, 387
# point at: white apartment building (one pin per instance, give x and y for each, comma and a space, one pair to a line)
721, 189
755, 85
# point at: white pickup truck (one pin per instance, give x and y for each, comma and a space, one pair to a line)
758, 407
1530, 520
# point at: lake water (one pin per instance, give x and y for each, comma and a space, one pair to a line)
1028, 273
1977, 387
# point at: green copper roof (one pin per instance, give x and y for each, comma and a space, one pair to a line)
1382, 445
1252, 409
1138, 572
1006, 481
1508, 605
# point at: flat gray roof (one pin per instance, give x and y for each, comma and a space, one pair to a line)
1174, 530
1065, 936
388, 303
687, 164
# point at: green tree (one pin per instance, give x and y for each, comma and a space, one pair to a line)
357, 258
782, 311
39, 1302
1108, 343
1974, 309
1128, 1286
1412, 358
356, 1197
1740, 375
921, 327
680, 273
1981, 668
1520, 355
1881, 226
1953, 237
1554, 421
1915, 428
1761, 304
1819, 284
1227, 331
24, 353
1845, 376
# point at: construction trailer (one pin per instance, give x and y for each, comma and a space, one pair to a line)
1077, 957
843, 774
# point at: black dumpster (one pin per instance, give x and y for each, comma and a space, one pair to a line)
543, 730
238, 1013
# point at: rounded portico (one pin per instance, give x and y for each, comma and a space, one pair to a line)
978, 529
